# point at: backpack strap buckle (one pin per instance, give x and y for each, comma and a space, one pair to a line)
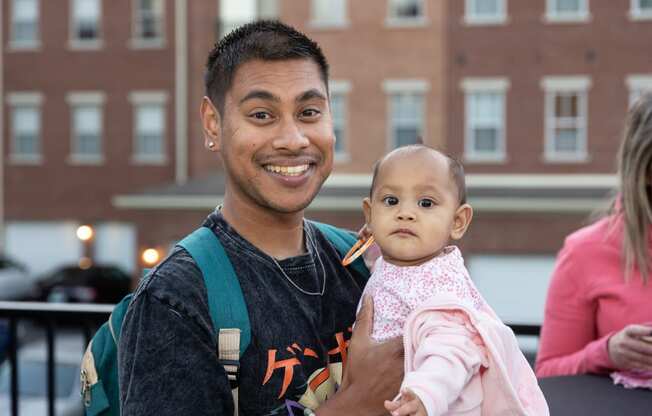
232, 368
228, 353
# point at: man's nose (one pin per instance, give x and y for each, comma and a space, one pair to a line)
290, 137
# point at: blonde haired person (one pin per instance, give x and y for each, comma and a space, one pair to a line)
598, 317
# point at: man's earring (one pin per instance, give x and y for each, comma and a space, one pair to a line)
211, 145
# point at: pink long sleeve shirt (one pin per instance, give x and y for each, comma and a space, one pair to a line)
588, 301
460, 359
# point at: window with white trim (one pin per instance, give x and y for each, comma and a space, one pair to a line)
24, 24
478, 12
339, 91
25, 119
234, 13
406, 110
149, 21
638, 85
567, 10
85, 21
86, 127
149, 127
640, 9
405, 12
484, 118
328, 13
566, 114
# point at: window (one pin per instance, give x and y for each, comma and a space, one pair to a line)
406, 13
149, 127
24, 24
86, 127
638, 85
149, 19
406, 111
566, 118
640, 9
234, 13
484, 118
25, 127
567, 10
339, 91
329, 13
482, 12
85, 23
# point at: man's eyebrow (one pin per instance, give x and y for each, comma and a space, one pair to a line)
311, 94
260, 94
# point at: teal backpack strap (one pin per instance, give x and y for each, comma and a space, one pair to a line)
225, 301
343, 240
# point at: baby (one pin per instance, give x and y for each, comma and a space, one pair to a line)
459, 357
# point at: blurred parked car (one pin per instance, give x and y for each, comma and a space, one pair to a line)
15, 282
96, 284
32, 376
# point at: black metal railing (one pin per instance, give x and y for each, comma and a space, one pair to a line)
87, 318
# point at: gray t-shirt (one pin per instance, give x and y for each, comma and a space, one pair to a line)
167, 357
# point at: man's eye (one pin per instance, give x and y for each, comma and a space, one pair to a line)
261, 115
310, 113
390, 200
426, 203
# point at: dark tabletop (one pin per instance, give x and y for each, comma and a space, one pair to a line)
594, 395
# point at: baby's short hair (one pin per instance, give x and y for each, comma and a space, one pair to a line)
456, 169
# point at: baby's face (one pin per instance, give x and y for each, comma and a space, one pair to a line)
413, 208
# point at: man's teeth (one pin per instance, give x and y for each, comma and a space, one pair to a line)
287, 170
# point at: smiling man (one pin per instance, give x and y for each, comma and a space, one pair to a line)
266, 114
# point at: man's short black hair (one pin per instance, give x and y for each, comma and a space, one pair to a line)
267, 40
455, 167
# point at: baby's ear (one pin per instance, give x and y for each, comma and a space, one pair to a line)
461, 221
366, 209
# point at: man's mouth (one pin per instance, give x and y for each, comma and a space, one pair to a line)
287, 170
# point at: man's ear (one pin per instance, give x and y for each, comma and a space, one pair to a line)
461, 221
366, 209
211, 125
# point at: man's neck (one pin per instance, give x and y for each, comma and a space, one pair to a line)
276, 234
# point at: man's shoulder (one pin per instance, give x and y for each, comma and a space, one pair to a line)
176, 279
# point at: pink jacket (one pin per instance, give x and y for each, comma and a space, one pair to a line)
588, 301
455, 375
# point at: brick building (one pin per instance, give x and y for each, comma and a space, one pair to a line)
100, 122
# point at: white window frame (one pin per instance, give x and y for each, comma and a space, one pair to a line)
393, 87
342, 88
471, 19
636, 84
264, 9
76, 100
142, 98
397, 21
17, 44
553, 16
138, 42
26, 99
636, 13
318, 22
552, 85
84, 44
471, 86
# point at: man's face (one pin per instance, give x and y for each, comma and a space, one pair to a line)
276, 135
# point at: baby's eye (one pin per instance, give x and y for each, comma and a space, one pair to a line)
426, 203
390, 200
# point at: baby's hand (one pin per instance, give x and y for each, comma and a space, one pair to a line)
408, 404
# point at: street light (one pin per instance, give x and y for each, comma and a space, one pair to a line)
150, 256
85, 232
